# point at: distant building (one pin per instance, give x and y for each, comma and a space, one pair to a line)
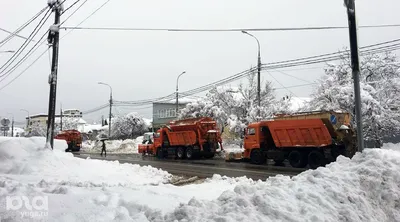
41, 119
164, 112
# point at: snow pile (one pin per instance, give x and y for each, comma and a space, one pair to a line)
90, 190
26, 157
112, 146
391, 146
366, 188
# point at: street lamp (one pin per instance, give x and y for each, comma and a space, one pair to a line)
29, 117
259, 71
109, 121
177, 105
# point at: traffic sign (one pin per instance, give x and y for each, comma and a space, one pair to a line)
5, 122
333, 119
4, 128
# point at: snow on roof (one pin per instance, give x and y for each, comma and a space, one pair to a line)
91, 127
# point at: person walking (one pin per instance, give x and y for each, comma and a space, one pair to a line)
103, 148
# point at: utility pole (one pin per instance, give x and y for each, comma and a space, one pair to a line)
102, 120
53, 39
61, 118
177, 94
258, 72
110, 114
355, 65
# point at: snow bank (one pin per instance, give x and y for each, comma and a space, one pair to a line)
366, 188
391, 146
112, 146
27, 157
91, 190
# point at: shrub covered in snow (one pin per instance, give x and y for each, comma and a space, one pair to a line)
128, 127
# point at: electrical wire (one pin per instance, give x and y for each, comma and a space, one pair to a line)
15, 33
41, 55
229, 30
72, 5
26, 43
73, 11
295, 77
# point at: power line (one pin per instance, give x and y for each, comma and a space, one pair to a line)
15, 33
37, 59
26, 43
72, 5
295, 77
229, 30
73, 11
11, 35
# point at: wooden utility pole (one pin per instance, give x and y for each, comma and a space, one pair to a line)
355, 65
53, 39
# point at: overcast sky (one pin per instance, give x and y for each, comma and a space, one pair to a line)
142, 65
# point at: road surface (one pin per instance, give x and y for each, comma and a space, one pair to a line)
200, 168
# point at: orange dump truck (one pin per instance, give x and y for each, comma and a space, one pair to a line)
302, 141
73, 138
189, 138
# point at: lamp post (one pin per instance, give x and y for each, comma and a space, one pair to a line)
177, 93
258, 71
110, 114
29, 117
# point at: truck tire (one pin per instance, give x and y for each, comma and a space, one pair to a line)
160, 153
209, 155
180, 153
257, 157
316, 159
189, 153
298, 159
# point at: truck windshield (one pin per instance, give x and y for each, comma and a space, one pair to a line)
251, 131
156, 135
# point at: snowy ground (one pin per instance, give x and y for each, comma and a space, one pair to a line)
366, 188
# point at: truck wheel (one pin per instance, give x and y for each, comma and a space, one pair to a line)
257, 157
316, 159
297, 159
209, 155
180, 153
160, 153
189, 153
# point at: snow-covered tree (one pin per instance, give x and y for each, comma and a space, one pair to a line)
380, 93
128, 126
204, 108
235, 106
37, 130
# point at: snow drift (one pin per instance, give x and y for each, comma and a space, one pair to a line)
366, 188
26, 156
